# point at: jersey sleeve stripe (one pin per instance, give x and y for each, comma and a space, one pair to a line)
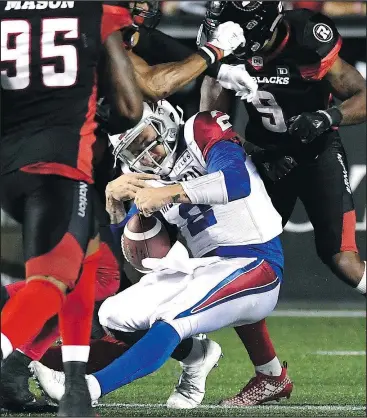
319, 71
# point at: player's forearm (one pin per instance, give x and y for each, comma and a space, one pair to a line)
165, 79
177, 194
127, 95
348, 85
214, 97
354, 110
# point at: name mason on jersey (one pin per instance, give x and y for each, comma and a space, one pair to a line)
272, 80
39, 5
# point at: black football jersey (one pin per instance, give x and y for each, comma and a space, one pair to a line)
291, 80
49, 55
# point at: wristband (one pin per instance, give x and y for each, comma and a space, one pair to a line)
213, 69
210, 53
336, 116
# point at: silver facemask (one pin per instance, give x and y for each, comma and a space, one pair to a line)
139, 155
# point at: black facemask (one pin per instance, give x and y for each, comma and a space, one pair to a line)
258, 20
149, 18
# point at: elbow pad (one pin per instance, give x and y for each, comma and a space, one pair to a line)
207, 190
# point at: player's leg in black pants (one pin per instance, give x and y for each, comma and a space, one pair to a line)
327, 196
58, 232
283, 194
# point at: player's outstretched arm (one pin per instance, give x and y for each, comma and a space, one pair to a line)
349, 86
162, 80
124, 88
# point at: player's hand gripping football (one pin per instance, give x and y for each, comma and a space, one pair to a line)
236, 77
309, 125
227, 38
149, 201
122, 189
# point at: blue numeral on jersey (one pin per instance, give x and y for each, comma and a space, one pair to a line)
199, 217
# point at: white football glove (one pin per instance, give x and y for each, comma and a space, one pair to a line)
236, 77
228, 37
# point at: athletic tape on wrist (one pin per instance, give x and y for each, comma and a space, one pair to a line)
209, 53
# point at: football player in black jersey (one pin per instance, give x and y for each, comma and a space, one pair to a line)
49, 56
293, 121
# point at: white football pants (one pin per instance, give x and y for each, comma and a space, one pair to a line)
211, 294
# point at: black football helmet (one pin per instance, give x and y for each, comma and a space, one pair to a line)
149, 18
258, 20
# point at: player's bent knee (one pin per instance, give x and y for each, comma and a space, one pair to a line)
57, 282
93, 246
347, 264
119, 314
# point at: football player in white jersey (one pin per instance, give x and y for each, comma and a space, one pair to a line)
213, 194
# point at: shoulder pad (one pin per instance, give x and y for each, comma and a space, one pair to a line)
314, 31
318, 34
207, 128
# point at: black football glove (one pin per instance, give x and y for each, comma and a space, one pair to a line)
308, 126
271, 166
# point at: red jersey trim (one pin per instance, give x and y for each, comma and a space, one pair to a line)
66, 253
281, 46
57, 169
274, 54
114, 18
349, 232
318, 71
84, 165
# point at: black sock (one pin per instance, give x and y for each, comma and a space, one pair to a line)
180, 353
18, 361
183, 349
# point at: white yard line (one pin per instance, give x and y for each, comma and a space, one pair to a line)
270, 407
299, 313
340, 353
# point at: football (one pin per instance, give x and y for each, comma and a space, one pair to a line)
142, 238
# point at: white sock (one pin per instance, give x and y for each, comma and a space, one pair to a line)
75, 353
6, 346
273, 368
94, 387
361, 288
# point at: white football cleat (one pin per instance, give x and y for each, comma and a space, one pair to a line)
190, 391
52, 382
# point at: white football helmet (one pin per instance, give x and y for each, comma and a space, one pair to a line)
165, 120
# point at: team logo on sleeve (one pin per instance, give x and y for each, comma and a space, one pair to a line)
322, 32
257, 63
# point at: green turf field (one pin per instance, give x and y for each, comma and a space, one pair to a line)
325, 385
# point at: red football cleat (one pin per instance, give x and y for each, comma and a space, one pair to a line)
261, 389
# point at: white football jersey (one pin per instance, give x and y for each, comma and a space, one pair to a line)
238, 224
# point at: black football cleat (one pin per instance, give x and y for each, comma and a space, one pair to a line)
76, 401
15, 395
